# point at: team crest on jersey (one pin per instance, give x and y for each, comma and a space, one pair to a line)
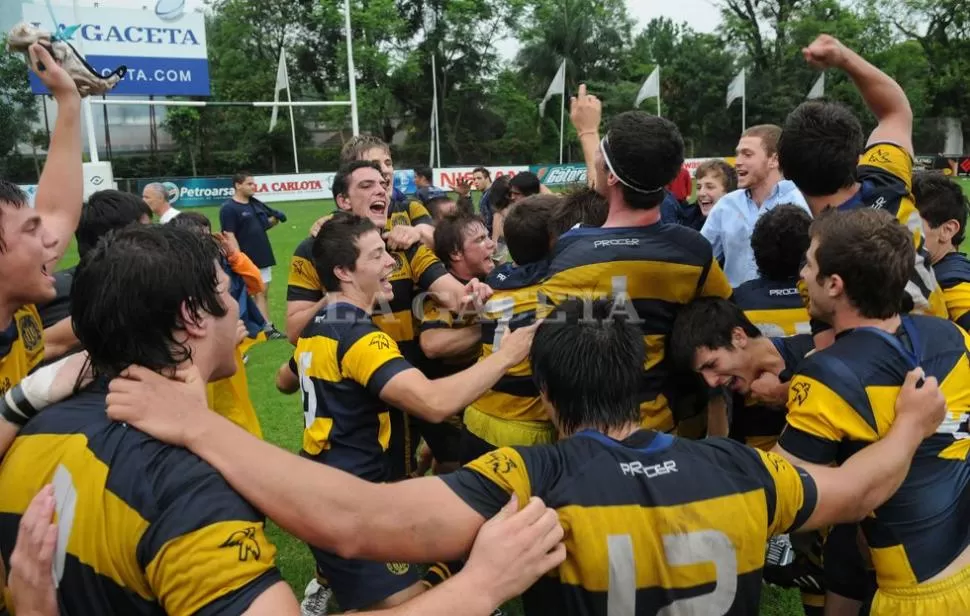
245, 540
381, 342
398, 568
500, 463
799, 392
30, 333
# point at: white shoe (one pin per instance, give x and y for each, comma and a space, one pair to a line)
315, 599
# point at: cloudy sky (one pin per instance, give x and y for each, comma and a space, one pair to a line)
700, 14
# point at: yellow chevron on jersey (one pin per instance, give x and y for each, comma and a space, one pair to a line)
230, 398
21, 347
953, 274
650, 520
843, 398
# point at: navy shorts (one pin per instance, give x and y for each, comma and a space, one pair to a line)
359, 584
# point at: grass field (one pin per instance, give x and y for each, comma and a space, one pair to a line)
281, 416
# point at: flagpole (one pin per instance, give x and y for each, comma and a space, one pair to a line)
744, 101
658, 91
562, 113
296, 160
434, 112
431, 136
350, 69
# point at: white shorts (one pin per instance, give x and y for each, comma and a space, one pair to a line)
266, 273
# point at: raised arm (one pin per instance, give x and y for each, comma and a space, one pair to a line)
884, 97
60, 190
585, 112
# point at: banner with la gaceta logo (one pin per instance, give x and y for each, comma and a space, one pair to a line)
163, 45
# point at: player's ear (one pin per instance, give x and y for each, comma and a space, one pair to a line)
343, 274
342, 201
834, 285
739, 338
194, 325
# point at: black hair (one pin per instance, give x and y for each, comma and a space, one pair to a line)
708, 322
240, 177
192, 220
483, 171
424, 171
336, 246
819, 147
588, 361
12, 195
341, 181
580, 205
107, 210
939, 199
527, 183
526, 228
498, 194
449, 234
779, 241
129, 291
646, 151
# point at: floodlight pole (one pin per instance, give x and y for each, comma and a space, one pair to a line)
85, 102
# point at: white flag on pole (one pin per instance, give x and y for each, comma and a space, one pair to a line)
818, 90
736, 89
650, 87
558, 86
282, 83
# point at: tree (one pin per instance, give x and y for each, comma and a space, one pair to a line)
18, 106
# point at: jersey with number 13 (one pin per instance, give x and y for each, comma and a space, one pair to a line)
654, 524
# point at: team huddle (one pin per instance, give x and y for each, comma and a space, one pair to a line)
606, 402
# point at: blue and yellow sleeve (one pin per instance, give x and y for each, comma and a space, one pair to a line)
210, 531
434, 316
957, 298
715, 283
419, 214
487, 483
372, 359
793, 491
887, 161
303, 282
426, 268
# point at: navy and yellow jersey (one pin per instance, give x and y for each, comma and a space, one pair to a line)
758, 424
654, 523
885, 175
434, 316
773, 306
343, 361
659, 268
953, 274
21, 347
144, 527
405, 211
415, 266
843, 398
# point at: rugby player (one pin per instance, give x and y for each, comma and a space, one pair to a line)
33, 239
639, 504
350, 372
772, 301
105, 211
511, 412
655, 267
580, 207
452, 342
819, 151
841, 400
943, 208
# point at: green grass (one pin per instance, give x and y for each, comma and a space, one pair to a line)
281, 416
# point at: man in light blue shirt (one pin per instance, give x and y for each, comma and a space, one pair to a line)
761, 188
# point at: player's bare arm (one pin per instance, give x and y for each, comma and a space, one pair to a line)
441, 398
52, 383
444, 342
293, 491
869, 478
31, 584
59, 339
585, 113
298, 314
60, 190
884, 97
451, 294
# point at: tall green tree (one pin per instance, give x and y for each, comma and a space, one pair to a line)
18, 107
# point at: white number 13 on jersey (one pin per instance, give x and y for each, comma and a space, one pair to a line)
705, 546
